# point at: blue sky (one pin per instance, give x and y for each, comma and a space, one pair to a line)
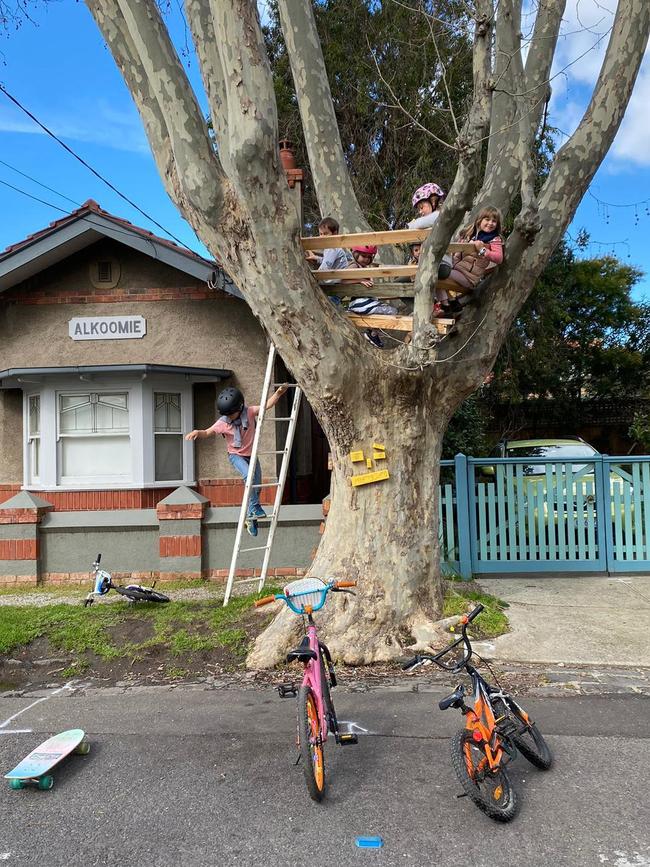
62, 72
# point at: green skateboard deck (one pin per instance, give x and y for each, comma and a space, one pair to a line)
35, 767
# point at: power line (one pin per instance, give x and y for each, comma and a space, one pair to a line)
89, 167
35, 198
40, 184
88, 219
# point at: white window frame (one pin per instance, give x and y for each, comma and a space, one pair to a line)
140, 390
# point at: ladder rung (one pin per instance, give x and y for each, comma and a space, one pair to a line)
258, 548
276, 452
266, 518
283, 418
265, 485
286, 384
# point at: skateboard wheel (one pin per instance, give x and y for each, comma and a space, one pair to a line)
46, 782
84, 748
16, 784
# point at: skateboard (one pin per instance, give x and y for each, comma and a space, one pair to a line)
35, 767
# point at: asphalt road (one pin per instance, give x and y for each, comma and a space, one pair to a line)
201, 776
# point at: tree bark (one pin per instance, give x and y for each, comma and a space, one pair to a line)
383, 535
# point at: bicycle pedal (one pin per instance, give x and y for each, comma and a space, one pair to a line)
287, 690
348, 739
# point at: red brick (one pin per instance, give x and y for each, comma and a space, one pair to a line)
180, 546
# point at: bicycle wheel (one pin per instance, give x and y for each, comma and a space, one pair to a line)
311, 745
490, 790
142, 594
526, 736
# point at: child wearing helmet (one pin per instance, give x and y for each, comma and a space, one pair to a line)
236, 424
427, 201
363, 256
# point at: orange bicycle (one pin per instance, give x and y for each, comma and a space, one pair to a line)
495, 728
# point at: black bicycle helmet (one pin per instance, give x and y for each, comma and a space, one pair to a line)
230, 400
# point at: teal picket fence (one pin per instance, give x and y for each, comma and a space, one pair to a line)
512, 515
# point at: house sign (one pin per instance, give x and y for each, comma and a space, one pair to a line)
107, 327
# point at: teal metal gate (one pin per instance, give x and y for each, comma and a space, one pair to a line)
532, 515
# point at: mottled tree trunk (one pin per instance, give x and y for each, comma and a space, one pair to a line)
383, 535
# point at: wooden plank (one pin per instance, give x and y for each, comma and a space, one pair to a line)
386, 290
378, 290
356, 274
378, 239
394, 323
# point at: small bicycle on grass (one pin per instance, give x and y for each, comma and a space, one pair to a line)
102, 583
316, 715
495, 728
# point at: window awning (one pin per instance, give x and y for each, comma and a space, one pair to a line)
16, 377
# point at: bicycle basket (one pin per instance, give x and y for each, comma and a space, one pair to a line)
306, 592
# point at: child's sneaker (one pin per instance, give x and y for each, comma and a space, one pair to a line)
251, 526
374, 338
257, 512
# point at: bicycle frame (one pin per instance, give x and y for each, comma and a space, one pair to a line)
312, 677
480, 719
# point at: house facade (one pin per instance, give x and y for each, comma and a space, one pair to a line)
113, 344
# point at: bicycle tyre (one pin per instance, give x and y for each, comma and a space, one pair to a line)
530, 741
492, 792
311, 746
142, 594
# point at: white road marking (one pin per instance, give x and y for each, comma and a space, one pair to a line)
16, 731
65, 686
351, 728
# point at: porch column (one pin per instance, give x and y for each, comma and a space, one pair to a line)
20, 518
180, 516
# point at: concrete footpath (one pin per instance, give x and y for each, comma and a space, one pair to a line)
571, 620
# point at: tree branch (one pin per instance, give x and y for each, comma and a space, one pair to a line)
175, 127
502, 173
573, 170
334, 189
462, 191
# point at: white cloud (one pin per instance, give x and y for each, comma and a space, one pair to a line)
98, 123
579, 56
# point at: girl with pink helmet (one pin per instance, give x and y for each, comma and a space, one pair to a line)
427, 200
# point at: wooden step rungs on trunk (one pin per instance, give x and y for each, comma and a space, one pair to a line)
385, 290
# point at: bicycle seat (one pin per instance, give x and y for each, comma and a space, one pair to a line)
303, 653
453, 700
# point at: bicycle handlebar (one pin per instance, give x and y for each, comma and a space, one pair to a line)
339, 585
265, 600
418, 659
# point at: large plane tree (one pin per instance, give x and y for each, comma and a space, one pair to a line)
228, 183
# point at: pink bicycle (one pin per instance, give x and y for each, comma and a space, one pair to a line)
316, 715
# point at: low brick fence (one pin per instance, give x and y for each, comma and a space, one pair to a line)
184, 537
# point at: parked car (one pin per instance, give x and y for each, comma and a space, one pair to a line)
583, 484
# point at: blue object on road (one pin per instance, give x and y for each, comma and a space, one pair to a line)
369, 842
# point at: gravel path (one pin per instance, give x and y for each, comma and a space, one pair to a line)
38, 600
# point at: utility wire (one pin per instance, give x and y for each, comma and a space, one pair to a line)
35, 198
66, 147
40, 184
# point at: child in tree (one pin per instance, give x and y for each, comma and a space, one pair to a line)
237, 426
363, 258
427, 201
441, 307
485, 235
332, 258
